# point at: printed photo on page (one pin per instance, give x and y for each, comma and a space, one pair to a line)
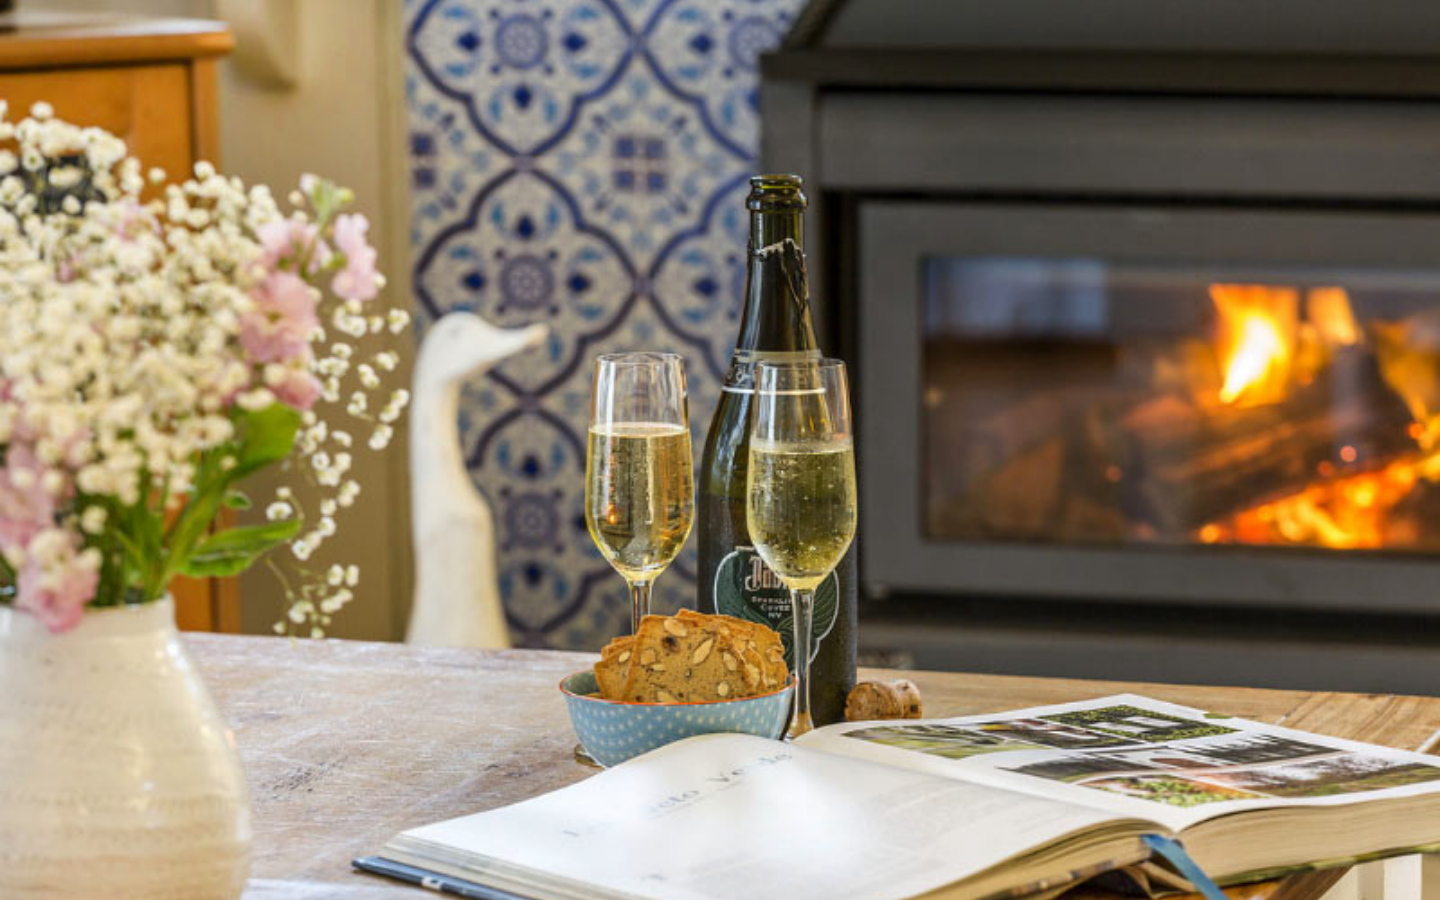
1171, 763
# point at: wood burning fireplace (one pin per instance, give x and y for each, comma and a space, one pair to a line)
1144, 308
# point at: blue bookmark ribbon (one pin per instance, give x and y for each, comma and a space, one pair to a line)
1171, 851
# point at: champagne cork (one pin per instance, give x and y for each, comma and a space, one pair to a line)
869, 700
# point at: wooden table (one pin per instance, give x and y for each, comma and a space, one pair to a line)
348, 743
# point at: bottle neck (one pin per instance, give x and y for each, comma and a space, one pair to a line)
776, 318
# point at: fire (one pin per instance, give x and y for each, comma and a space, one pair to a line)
1328, 311
1256, 341
1263, 347
1354, 512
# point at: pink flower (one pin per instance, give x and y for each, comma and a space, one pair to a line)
278, 329
55, 584
358, 280
300, 389
133, 220
286, 241
26, 508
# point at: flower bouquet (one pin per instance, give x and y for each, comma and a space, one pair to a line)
154, 353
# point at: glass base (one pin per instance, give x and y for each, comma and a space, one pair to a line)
800, 723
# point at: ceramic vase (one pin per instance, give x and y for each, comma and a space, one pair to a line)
118, 777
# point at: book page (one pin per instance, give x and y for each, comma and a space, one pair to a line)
725, 816
1140, 757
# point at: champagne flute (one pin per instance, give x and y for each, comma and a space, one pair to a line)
639, 490
800, 491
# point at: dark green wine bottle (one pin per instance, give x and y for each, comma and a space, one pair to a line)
775, 325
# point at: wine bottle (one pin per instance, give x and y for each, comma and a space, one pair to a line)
776, 325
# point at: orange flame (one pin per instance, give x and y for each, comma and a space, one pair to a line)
1355, 512
1256, 340
1328, 309
1262, 346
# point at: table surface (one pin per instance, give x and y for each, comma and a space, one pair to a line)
346, 744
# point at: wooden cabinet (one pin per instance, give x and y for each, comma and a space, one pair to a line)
152, 83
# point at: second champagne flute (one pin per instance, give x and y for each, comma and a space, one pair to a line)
800, 491
639, 490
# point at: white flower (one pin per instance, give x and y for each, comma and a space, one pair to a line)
92, 520
133, 330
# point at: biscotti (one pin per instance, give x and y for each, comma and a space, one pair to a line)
759, 647
691, 658
614, 666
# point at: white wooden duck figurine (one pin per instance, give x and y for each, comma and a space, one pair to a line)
457, 596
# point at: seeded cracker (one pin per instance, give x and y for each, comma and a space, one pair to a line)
684, 660
759, 646
613, 667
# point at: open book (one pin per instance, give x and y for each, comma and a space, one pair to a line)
1019, 803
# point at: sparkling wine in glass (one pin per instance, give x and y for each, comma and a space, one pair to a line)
639, 490
800, 491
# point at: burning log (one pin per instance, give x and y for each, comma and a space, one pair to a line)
1187, 464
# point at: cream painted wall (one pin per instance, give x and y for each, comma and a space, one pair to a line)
343, 119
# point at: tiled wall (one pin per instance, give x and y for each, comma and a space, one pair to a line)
581, 163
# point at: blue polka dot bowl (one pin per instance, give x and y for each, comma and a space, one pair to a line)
612, 731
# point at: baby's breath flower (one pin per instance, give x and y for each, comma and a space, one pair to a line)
93, 519
132, 332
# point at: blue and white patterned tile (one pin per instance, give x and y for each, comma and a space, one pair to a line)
641, 164
521, 254
522, 68
579, 163
708, 51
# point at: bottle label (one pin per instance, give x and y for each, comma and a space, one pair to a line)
741, 377
746, 589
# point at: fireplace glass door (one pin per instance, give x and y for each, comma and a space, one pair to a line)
1082, 401
1207, 404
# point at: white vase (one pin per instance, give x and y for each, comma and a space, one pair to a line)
118, 778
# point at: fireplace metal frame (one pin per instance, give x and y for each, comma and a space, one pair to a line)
895, 237
1339, 136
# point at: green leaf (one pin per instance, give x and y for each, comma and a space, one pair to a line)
266, 436
232, 551
237, 500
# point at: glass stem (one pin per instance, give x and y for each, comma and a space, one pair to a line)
639, 604
802, 610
